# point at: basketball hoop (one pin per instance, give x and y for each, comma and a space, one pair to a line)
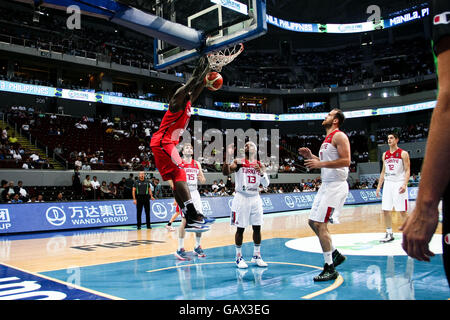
223, 57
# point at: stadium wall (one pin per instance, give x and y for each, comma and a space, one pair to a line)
64, 178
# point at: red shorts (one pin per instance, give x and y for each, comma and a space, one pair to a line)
168, 162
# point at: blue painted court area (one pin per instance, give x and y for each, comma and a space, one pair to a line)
289, 276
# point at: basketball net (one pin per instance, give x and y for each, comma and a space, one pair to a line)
223, 57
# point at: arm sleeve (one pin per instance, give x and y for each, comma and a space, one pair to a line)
440, 21
265, 180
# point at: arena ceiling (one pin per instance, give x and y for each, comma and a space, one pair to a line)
315, 11
304, 11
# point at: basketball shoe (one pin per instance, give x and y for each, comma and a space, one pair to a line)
388, 238
199, 252
181, 254
338, 258
240, 263
259, 261
328, 273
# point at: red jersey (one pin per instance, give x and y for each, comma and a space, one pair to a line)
171, 127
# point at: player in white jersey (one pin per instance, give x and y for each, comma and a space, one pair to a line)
395, 176
246, 208
194, 174
333, 160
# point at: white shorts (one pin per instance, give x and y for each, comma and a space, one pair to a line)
329, 202
391, 198
246, 211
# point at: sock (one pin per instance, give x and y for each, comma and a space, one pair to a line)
389, 230
197, 240
180, 243
238, 251
328, 257
257, 250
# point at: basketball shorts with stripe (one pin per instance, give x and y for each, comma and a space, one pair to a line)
329, 201
246, 211
392, 199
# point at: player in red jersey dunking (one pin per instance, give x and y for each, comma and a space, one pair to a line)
164, 141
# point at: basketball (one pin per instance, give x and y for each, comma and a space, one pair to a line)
213, 81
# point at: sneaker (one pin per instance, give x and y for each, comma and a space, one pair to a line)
181, 254
199, 252
338, 258
328, 273
209, 220
198, 222
170, 228
388, 238
240, 263
193, 228
259, 261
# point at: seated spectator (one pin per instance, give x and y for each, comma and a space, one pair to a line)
112, 190
15, 199
13, 139
10, 190
121, 187
93, 159
60, 197
78, 162
157, 193
105, 193
215, 186
86, 166
34, 157
40, 198
21, 191
146, 164
58, 150
206, 193
135, 162
375, 184
80, 125
357, 184
124, 164
222, 192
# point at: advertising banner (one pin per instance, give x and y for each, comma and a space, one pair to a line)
48, 216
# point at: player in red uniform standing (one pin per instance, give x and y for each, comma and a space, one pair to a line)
163, 144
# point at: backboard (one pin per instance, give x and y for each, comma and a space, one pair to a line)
223, 23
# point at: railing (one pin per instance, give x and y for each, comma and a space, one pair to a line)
46, 49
